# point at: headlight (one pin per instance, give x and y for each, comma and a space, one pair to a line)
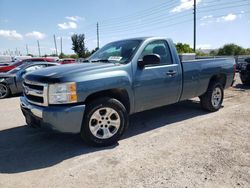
62, 93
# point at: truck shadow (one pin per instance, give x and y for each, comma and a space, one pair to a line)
24, 149
241, 86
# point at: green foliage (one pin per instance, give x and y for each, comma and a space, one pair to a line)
231, 49
62, 55
78, 45
74, 56
183, 48
200, 53
213, 53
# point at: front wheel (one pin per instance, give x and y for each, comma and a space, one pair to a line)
104, 122
213, 98
4, 91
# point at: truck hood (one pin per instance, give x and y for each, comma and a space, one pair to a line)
67, 72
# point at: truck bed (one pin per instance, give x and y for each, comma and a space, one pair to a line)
197, 74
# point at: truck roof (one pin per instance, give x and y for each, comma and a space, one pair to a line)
142, 38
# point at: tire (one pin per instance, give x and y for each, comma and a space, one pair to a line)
4, 91
213, 98
97, 127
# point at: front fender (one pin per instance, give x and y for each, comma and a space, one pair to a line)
94, 83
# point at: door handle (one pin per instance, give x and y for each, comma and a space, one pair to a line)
171, 73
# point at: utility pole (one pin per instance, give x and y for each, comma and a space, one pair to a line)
55, 44
61, 45
194, 25
97, 33
27, 49
38, 45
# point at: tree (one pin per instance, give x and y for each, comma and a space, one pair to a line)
30, 55
200, 53
78, 45
231, 49
213, 52
183, 48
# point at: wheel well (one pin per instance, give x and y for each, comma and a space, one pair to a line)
119, 94
220, 78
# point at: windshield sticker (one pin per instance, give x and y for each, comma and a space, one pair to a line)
115, 58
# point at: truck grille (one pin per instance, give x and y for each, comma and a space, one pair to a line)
36, 93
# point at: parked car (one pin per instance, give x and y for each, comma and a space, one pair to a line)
245, 71
8, 67
122, 78
11, 82
67, 61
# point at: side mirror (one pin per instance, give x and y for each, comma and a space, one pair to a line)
152, 59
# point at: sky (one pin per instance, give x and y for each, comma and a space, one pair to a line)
23, 22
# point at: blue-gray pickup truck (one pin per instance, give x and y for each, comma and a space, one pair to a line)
95, 98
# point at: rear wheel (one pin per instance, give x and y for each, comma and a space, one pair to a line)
104, 122
4, 91
213, 98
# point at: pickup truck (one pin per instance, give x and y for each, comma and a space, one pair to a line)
95, 98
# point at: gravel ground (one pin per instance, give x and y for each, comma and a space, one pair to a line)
175, 146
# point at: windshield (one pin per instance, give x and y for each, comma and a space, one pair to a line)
16, 63
120, 51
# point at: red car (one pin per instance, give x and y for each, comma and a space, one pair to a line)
6, 68
67, 61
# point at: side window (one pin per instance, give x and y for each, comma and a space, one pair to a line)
33, 68
161, 48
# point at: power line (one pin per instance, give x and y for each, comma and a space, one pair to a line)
222, 4
223, 8
162, 26
139, 13
153, 22
127, 27
147, 13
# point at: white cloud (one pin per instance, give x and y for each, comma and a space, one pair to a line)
206, 17
35, 35
184, 5
11, 34
74, 18
227, 18
204, 46
67, 25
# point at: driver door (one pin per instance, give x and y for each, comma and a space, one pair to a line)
157, 84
